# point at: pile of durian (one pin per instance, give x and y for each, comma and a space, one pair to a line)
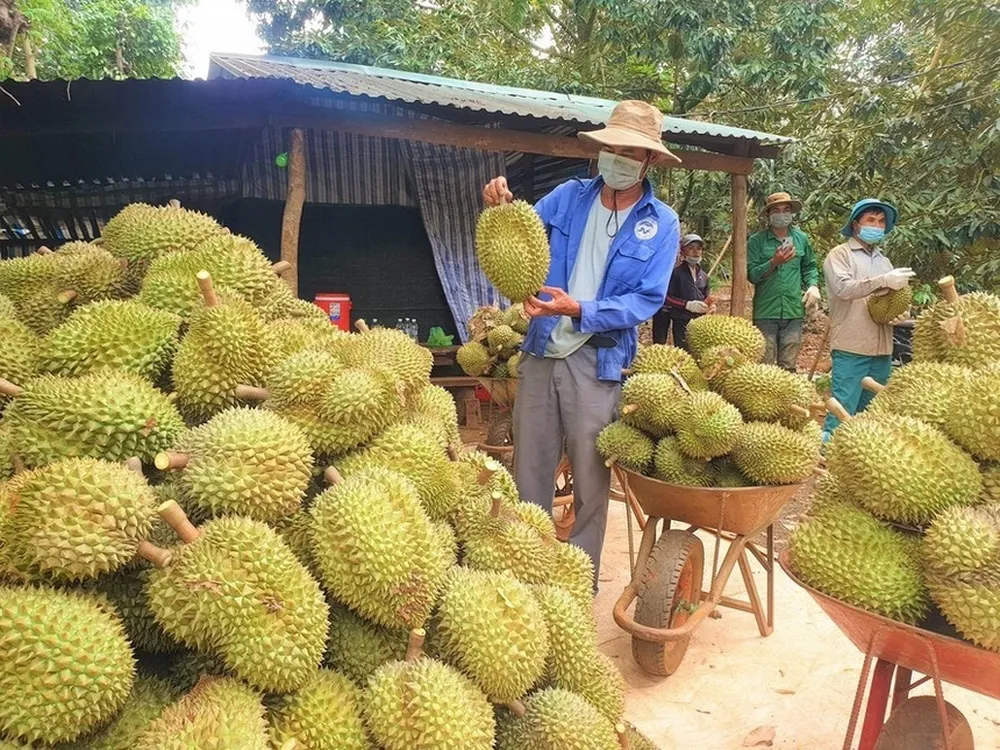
226, 524
718, 418
495, 338
908, 514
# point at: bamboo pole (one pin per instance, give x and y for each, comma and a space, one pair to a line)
725, 247
738, 299
294, 201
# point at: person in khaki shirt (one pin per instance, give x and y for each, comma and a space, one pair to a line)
854, 271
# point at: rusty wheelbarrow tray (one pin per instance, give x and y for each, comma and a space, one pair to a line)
904, 649
668, 570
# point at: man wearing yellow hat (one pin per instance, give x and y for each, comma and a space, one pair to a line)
781, 264
613, 246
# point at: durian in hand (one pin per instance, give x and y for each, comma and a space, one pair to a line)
725, 330
885, 307
513, 249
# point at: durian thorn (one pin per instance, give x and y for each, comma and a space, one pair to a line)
292, 744
43, 250
948, 290
18, 463
799, 411
66, 296
174, 203
621, 730
157, 555
871, 384
134, 464
361, 325
280, 267
176, 519
612, 460
251, 393
208, 294
837, 409
495, 507
415, 647
629, 408
517, 708
453, 454
172, 396
9, 389
167, 460
332, 476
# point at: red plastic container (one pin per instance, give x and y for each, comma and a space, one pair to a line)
337, 308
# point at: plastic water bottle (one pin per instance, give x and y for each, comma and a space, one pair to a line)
400, 325
374, 323
416, 330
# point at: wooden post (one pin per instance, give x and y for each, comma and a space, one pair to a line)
292, 218
29, 59
738, 300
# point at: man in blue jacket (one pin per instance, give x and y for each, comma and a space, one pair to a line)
613, 247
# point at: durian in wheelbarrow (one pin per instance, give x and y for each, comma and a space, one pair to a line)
707, 426
770, 453
666, 360
620, 443
725, 330
767, 393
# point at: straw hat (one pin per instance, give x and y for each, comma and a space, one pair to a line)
634, 124
775, 198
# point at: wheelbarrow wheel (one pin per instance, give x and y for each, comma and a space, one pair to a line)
669, 591
915, 724
501, 430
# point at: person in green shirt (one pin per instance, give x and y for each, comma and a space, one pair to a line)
780, 264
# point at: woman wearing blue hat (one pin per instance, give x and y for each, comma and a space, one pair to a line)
855, 270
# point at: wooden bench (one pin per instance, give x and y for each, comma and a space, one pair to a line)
463, 388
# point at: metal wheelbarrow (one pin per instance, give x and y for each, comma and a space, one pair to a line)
667, 572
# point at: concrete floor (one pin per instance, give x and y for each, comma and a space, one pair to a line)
800, 681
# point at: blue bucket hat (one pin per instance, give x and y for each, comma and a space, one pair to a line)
862, 205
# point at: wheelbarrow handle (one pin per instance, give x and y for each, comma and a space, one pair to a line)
657, 635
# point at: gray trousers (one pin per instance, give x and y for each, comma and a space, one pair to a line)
561, 399
783, 339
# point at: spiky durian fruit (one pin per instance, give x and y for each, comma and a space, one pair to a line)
149, 697
491, 627
717, 362
437, 403
77, 518
89, 273
637, 740
515, 317
767, 393
512, 364
707, 425
770, 454
513, 249
667, 360
886, 307
504, 340
961, 551
865, 454
671, 465
8, 311
357, 647
923, 390
126, 590
959, 330
848, 554
189, 667
106, 414
651, 402
724, 330
293, 335
124, 335
474, 359
66, 667
392, 351
973, 421
357, 405
556, 719
573, 570
499, 371
226, 346
218, 712
244, 462
726, 474
35, 285
20, 348
324, 714
140, 232
619, 443
238, 591
377, 550
991, 482
422, 704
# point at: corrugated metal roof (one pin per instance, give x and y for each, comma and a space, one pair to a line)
417, 88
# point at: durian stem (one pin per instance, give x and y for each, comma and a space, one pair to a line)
799, 411
157, 555
452, 452
176, 519
332, 476
948, 290
98, 241
280, 267
174, 203
517, 708
18, 463
495, 507
251, 393
134, 464
629, 408
66, 296
837, 409
9, 389
43, 250
612, 460
208, 294
167, 460
415, 647
622, 736
490, 467
362, 326
871, 384
626, 371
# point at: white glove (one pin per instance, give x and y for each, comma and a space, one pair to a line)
696, 306
897, 278
811, 298
900, 319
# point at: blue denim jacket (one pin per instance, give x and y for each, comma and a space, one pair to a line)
634, 287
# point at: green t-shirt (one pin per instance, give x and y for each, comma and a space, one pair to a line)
778, 293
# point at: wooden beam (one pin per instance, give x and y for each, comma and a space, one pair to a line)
738, 300
488, 139
292, 218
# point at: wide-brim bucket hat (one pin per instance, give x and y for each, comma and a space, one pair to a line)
634, 124
775, 199
891, 215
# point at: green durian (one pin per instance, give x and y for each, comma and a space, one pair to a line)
924, 391
515, 317
960, 331
724, 330
973, 419
707, 426
391, 351
665, 360
770, 454
766, 393
504, 340
474, 359
652, 402
126, 590
671, 465
513, 249
149, 697
437, 403
358, 647
625, 445
886, 307
573, 570
20, 348
726, 474
556, 719
717, 362
324, 714
512, 364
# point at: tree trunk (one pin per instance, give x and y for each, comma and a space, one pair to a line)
29, 59
738, 300
294, 201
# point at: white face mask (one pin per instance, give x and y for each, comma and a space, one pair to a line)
618, 172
